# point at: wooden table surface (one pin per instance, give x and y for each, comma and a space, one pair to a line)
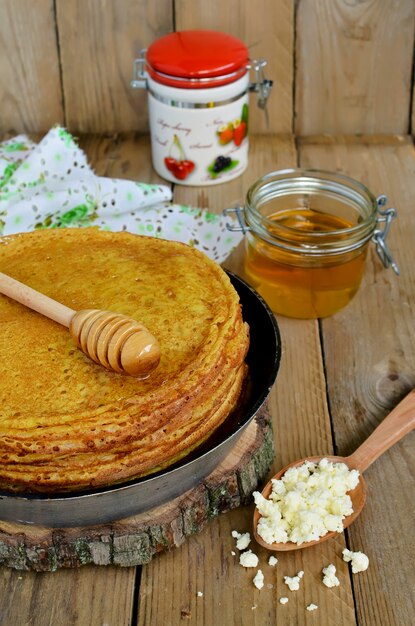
339, 378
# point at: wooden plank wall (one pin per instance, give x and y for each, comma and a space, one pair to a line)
354, 66
30, 85
338, 66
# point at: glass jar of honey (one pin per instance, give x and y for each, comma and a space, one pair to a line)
307, 236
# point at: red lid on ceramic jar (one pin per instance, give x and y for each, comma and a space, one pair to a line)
197, 59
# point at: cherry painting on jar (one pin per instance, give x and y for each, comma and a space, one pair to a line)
180, 167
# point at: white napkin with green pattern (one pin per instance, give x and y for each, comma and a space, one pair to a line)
50, 185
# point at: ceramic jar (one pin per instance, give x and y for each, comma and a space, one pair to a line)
198, 85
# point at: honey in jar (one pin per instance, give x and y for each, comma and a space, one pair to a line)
307, 236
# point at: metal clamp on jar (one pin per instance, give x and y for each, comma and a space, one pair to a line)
307, 236
198, 87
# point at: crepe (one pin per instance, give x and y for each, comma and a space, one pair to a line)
66, 423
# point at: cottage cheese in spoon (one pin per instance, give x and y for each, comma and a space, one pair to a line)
306, 503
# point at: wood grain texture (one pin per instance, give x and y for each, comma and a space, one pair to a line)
88, 596
354, 64
394, 427
370, 361
267, 28
412, 128
169, 585
30, 88
99, 42
127, 156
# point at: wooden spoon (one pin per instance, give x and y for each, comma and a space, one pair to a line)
395, 426
115, 341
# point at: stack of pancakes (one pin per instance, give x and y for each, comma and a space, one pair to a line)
66, 423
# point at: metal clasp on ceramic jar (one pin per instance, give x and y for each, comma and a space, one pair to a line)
262, 86
139, 80
307, 235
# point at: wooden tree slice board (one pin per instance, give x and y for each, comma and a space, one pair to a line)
135, 540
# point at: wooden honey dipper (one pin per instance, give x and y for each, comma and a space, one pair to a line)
115, 341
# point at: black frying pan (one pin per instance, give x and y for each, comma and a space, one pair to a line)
123, 500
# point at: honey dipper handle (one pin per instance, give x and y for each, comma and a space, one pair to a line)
399, 422
35, 300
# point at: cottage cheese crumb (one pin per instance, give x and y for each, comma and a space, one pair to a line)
233, 553
242, 539
293, 583
300, 574
306, 503
283, 600
311, 607
272, 561
253, 607
248, 559
360, 562
258, 579
200, 594
330, 579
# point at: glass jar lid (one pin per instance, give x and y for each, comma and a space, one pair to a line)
197, 59
277, 199
295, 191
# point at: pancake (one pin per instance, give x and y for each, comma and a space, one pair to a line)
66, 423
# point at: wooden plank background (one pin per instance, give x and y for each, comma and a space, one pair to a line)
354, 66
98, 43
71, 62
30, 85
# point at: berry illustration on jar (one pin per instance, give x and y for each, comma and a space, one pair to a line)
221, 165
225, 134
176, 162
234, 131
